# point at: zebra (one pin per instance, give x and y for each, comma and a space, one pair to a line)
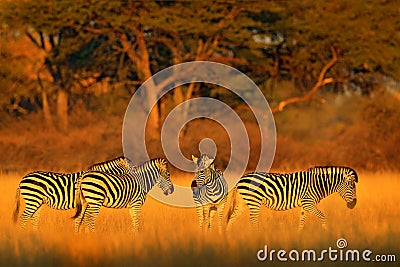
210, 192
119, 165
128, 190
303, 189
57, 190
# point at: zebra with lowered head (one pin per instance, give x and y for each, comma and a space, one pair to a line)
99, 189
299, 189
57, 190
210, 192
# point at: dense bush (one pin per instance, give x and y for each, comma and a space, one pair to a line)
347, 130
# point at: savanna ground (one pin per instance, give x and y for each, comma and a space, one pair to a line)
170, 235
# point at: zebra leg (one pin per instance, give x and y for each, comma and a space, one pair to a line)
35, 219
254, 214
91, 212
81, 219
206, 216
29, 210
199, 211
303, 216
312, 208
220, 211
135, 216
213, 211
24, 218
239, 209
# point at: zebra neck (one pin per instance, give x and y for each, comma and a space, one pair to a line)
212, 183
213, 176
146, 177
328, 182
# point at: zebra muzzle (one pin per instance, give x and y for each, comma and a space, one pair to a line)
352, 204
194, 187
169, 191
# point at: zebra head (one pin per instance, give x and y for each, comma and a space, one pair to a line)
164, 181
203, 162
347, 189
203, 171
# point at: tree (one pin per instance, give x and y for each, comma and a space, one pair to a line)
219, 32
40, 22
314, 44
364, 34
18, 65
222, 32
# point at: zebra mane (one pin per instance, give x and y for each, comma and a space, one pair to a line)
160, 161
324, 169
111, 161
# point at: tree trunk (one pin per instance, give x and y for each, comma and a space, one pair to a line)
62, 109
141, 60
46, 109
151, 97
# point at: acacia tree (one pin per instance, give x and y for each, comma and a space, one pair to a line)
140, 30
17, 67
49, 31
222, 32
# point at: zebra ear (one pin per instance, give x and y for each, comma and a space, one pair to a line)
194, 159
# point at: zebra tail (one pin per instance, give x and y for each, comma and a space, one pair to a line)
233, 204
16, 206
78, 203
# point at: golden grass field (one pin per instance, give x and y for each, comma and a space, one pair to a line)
170, 235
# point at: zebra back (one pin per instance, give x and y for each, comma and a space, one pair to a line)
335, 172
120, 165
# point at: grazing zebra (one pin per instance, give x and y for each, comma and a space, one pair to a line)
300, 189
57, 190
128, 190
210, 192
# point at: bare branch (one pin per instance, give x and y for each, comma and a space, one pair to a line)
30, 36
320, 82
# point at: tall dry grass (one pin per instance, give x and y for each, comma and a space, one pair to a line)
170, 235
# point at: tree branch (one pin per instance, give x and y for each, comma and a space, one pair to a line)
34, 41
320, 82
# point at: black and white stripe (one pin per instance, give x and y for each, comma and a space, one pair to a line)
97, 189
300, 189
57, 190
210, 192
